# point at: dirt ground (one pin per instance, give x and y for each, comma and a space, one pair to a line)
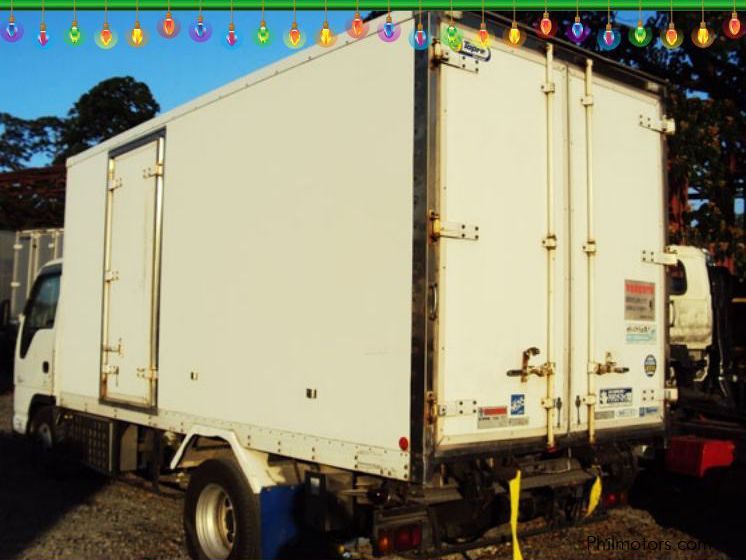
84, 516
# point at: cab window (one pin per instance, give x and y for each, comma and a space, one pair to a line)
41, 308
677, 279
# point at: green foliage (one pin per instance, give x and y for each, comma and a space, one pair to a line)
109, 108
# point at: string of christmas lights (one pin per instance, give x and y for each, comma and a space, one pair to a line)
607, 38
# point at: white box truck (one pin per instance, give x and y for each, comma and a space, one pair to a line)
355, 292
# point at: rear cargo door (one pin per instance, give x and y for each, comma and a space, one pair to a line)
618, 291
131, 275
494, 288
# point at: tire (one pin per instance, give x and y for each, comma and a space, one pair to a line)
42, 430
221, 514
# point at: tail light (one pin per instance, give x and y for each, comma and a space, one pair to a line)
406, 537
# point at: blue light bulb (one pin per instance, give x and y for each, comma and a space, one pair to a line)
577, 29
11, 29
388, 29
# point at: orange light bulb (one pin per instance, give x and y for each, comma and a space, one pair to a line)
671, 34
484, 36
105, 35
294, 35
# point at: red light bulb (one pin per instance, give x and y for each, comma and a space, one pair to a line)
42, 37
546, 24
358, 27
734, 25
169, 25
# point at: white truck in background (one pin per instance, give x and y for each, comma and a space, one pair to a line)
428, 273
22, 254
708, 348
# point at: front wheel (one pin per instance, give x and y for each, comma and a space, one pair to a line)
42, 430
221, 514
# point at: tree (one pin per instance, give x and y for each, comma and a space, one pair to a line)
21, 140
109, 108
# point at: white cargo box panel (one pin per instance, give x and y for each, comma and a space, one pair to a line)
512, 351
382, 272
285, 263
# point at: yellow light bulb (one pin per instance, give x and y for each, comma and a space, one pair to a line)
703, 35
136, 34
514, 36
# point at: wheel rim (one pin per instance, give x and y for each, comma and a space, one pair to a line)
44, 435
215, 522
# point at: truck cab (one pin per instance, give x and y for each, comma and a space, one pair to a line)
35, 348
690, 311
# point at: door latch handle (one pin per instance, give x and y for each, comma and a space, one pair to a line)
45, 367
543, 370
609, 366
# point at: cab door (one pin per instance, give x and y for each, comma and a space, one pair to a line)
35, 345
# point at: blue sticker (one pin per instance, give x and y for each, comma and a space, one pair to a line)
517, 405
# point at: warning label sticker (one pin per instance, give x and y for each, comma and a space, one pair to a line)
615, 397
641, 333
639, 301
492, 417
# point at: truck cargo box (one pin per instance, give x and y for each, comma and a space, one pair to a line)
433, 255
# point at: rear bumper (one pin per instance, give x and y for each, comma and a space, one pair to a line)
642, 434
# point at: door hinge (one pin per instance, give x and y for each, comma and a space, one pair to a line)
664, 125
115, 184
465, 407
146, 373
109, 369
452, 230
156, 171
659, 257
118, 349
111, 276
442, 55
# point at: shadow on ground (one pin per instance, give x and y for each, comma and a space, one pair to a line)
711, 509
34, 496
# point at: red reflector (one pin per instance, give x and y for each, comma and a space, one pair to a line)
402, 539
416, 536
693, 456
495, 411
611, 499
403, 443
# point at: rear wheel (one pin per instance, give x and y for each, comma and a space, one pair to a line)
221, 515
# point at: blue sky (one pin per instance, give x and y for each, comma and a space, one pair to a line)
48, 81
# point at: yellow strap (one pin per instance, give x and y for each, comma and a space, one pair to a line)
515, 494
595, 497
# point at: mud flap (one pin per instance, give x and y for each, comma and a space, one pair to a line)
279, 517
515, 494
